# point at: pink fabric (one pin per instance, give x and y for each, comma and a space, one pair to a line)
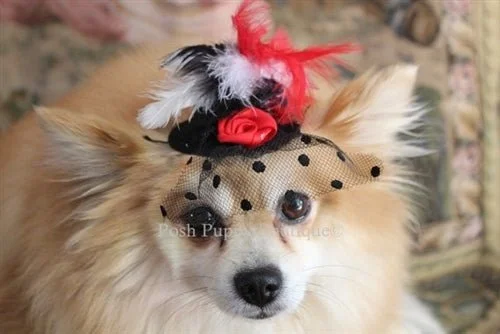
96, 18
23, 11
131, 20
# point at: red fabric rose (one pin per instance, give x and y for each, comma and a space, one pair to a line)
250, 127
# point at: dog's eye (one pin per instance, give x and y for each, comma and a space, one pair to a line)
295, 206
202, 221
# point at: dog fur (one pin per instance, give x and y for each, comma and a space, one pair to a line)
80, 250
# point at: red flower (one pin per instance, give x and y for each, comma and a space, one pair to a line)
250, 127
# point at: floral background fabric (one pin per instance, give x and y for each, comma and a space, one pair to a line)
38, 64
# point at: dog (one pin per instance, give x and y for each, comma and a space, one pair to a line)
85, 250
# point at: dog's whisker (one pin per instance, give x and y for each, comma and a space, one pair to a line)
303, 306
330, 298
286, 255
226, 258
325, 293
343, 266
348, 279
340, 267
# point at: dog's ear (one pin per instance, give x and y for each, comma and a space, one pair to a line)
371, 112
86, 146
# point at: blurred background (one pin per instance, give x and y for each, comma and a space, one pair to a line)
49, 46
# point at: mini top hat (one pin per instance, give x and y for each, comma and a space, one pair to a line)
248, 100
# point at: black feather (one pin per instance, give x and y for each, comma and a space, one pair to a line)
195, 60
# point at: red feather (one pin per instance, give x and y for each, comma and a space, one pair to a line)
252, 22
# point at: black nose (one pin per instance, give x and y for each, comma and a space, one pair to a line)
259, 286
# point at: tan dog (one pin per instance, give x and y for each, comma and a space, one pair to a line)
81, 250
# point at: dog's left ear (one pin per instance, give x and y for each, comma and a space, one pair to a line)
87, 147
371, 112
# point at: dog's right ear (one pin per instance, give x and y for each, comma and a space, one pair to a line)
87, 147
371, 113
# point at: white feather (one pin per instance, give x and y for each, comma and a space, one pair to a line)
171, 100
236, 74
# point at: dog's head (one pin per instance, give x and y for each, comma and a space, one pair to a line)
344, 251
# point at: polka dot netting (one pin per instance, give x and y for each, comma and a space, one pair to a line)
240, 184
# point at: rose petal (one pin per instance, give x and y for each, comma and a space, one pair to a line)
250, 127
245, 127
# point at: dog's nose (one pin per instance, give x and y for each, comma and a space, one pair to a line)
259, 286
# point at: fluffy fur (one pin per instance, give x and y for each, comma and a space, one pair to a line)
80, 245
